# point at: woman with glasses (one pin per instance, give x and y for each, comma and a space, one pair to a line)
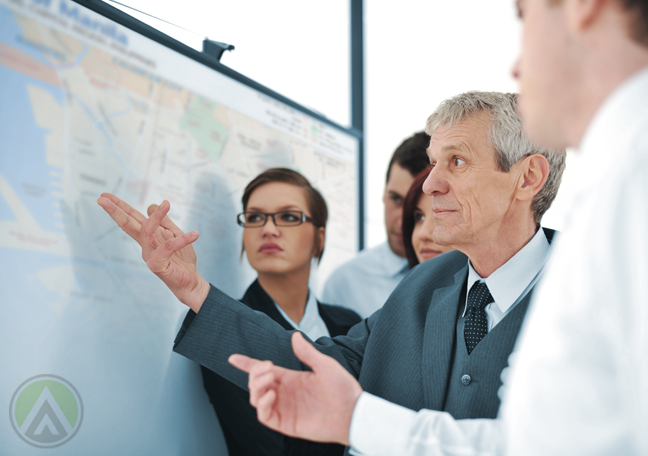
284, 229
418, 224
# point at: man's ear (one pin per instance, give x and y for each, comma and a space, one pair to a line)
535, 172
582, 14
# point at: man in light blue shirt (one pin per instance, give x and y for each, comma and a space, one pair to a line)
364, 283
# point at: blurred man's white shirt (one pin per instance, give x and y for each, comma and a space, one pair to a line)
381, 428
580, 382
579, 378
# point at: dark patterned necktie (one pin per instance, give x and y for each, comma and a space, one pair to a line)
476, 324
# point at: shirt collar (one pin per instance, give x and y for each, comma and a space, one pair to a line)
392, 263
311, 313
507, 283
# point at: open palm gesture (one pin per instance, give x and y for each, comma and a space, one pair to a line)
315, 405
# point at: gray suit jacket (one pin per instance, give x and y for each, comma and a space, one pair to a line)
402, 353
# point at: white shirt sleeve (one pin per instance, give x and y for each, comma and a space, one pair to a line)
379, 427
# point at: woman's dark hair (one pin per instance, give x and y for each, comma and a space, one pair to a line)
409, 206
316, 204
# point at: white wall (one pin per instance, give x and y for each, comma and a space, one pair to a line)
419, 53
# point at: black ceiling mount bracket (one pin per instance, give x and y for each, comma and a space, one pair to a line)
216, 48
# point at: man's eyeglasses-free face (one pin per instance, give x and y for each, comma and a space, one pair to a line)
281, 218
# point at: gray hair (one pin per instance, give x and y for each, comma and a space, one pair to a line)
506, 136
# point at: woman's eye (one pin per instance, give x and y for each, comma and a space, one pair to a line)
253, 218
418, 217
289, 217
459, 161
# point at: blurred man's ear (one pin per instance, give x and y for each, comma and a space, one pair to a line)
581, 14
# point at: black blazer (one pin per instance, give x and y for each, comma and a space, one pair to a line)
244, 435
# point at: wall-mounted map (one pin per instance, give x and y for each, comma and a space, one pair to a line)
88, 106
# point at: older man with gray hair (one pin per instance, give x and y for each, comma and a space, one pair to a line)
445, 334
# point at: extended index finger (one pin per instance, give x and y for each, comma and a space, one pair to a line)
127, 221
124, 206
242, 362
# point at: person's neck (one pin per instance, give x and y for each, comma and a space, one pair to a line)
617, 59
289, 291
487, 257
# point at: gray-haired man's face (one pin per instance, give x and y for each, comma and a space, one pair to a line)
471, 196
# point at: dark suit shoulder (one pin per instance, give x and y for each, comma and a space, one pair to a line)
439, 270
412, 295
338, 319
340, 314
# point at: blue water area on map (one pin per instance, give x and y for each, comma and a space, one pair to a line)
6, 213
18, 282
10, 33
22, 142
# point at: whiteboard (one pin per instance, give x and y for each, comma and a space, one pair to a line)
88, 105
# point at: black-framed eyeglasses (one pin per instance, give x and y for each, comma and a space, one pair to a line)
281, 218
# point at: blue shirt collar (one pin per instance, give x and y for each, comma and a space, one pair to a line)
311, 322
507, 283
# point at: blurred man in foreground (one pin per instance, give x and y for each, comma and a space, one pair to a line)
578, 382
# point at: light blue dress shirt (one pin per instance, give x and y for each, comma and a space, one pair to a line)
364, 283
512, 281
311, 323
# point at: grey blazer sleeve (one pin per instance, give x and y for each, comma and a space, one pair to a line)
224, 326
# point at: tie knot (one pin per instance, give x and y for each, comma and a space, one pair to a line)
479, 296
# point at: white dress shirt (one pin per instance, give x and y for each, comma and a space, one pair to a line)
311, 323
578, 381
364, 283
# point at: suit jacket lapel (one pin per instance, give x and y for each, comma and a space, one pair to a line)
439, 340
257, 299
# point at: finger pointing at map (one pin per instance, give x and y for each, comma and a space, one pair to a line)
166, 249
